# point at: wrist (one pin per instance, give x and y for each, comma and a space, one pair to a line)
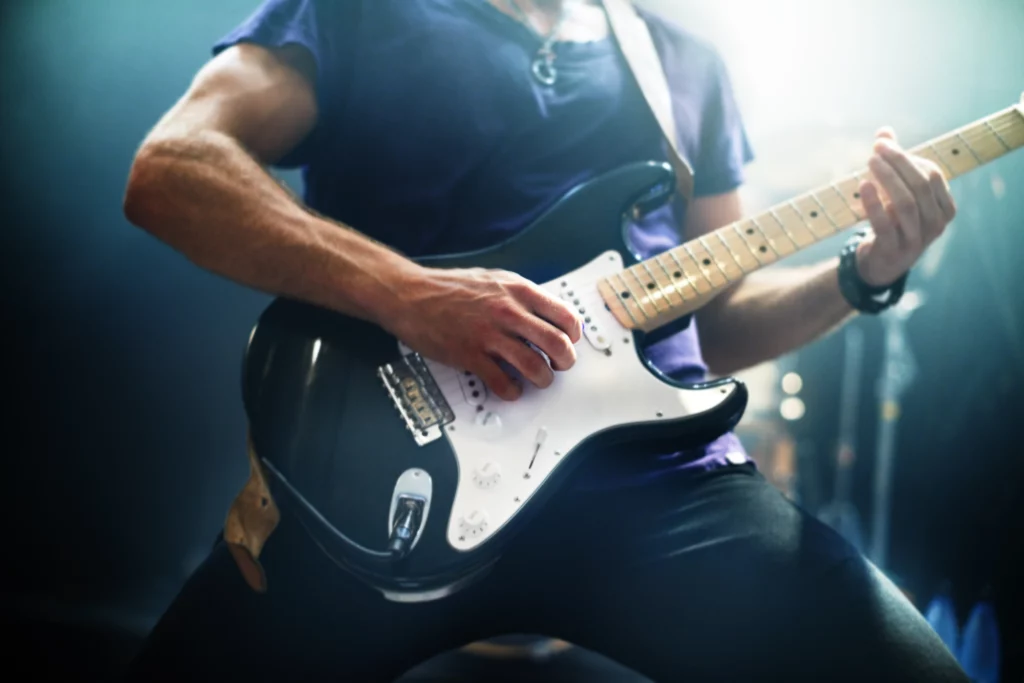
389, 295
860, 293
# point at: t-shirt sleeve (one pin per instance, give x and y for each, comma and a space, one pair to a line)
325, 28
724, 149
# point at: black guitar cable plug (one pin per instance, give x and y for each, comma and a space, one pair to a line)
408, 517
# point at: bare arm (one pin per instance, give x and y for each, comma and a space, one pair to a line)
773, 312
768, 313
198, 184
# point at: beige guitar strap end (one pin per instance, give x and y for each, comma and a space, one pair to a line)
637, 46
250, 521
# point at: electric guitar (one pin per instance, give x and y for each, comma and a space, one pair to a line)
410, 475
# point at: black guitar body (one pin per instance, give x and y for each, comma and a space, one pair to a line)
328, 434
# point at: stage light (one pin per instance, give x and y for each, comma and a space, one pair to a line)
792, 408
792, 383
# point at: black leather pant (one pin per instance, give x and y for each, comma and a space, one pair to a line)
701, 577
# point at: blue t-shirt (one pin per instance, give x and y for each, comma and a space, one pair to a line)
433, 136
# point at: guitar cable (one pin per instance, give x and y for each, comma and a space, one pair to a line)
402, 534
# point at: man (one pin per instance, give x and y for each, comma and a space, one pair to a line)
440, 126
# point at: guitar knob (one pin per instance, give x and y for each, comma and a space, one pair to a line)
489, 422
474, 524
487, 476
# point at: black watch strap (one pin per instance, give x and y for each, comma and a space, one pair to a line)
862, 296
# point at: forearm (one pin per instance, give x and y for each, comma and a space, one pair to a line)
205, 196
771, 313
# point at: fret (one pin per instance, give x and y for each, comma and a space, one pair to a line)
954, 158
998, 137
646, 290
823, 212
984, 143
747, 258
782, 229
815, 229
721, 237
690, 279
768, 240
710, 248
703, 271
622, 301
759, 251
835, 206
850, 196
1012, 130
627, 296
657, 289
673, 284
793, 224
969, 148
931, 153
706, 259
651, 294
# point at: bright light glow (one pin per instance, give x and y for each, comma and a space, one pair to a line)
792, 383
316, 352
792, 408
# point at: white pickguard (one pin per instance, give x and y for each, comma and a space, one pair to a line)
496, 441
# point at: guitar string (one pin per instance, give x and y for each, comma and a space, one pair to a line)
989, 130
591, 296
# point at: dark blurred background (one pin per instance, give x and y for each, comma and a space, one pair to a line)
124, 428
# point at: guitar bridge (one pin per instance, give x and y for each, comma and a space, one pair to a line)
417, 398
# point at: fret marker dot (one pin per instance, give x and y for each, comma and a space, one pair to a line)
856, 195
814, 214
651, 285
625, 295
706, 262
762, 249
955, 151
677, 275
750, 231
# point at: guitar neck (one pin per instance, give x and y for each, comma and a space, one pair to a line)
677, 282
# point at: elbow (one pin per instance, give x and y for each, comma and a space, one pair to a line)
139, 199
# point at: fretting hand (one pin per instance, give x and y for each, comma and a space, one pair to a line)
909, 206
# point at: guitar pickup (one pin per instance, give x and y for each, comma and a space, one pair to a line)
417, 398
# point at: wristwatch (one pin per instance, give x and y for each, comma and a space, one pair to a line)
862, 296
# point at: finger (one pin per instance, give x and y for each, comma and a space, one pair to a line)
881, 222
917, 180
549, 339
553, 310
943, 197
530, 364
902, 202
496, 379
886, 132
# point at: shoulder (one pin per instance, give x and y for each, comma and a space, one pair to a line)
681, 48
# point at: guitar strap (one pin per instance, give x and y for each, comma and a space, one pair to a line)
254, 515
634, 39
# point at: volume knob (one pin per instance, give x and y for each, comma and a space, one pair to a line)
490, 423
487, 476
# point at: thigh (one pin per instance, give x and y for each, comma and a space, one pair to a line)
721, 578
314, 623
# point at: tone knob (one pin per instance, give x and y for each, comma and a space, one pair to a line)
489, 422
487, 475
474, 523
